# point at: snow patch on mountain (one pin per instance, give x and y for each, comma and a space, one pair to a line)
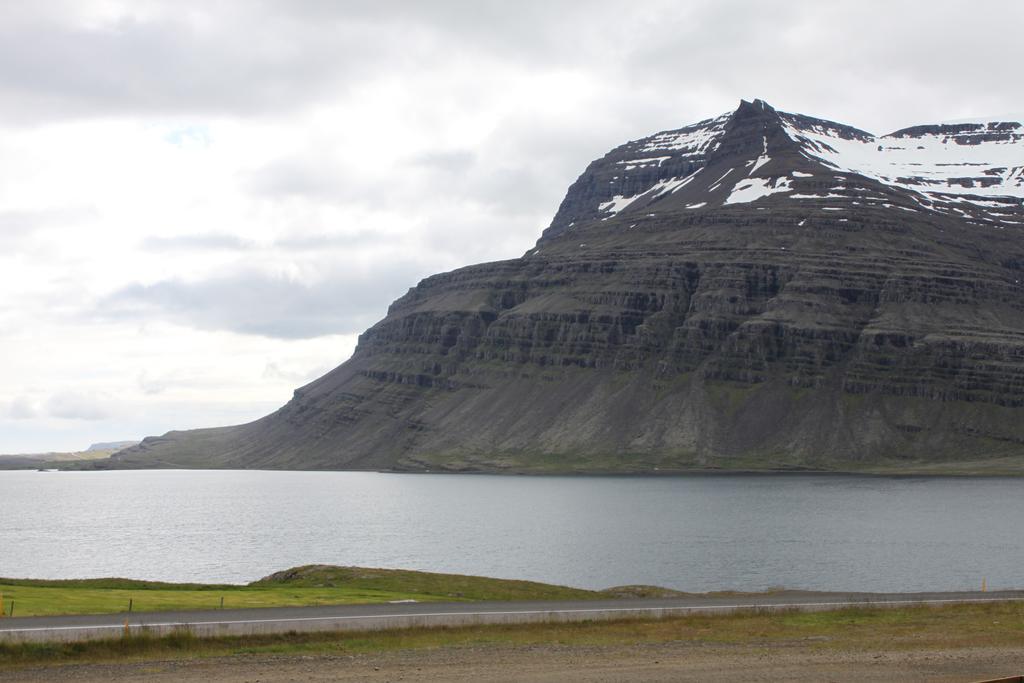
669, 185
630, 164
752, 189
662, 187
817, 196
976, 159
761, 160
617, 203
699, 138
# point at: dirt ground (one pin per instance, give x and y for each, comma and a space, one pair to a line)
662, 662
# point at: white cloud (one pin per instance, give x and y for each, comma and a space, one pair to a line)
209, 241
73, 405
22, 408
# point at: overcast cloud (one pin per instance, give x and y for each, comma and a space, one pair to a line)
203, 203
346, 302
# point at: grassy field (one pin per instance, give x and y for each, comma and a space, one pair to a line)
865, 629
310, 585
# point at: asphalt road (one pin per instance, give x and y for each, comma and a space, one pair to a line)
425, 614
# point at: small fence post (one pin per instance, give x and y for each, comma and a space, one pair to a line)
130, 604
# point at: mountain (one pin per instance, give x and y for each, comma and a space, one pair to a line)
758, 290
111, 445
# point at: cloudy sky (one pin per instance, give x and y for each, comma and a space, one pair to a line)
203, 203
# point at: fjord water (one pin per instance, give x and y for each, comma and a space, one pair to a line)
690, 533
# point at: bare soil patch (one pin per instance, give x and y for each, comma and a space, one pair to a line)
796, 661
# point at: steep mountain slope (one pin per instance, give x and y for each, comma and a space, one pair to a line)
758, 290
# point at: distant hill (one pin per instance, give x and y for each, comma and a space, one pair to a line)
111, 445
759, 290
97, 451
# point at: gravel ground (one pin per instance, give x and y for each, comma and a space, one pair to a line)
799, 661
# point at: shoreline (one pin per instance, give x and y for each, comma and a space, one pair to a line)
529, 472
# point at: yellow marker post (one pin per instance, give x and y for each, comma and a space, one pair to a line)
984, 586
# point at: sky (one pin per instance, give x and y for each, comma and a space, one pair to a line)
203, 203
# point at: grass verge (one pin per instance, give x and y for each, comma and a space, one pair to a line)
905, 628
301, 586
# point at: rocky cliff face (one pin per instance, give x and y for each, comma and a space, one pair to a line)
758, 290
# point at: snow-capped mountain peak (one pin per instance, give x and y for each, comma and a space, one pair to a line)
756, 155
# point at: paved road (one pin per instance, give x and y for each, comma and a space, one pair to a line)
405, 615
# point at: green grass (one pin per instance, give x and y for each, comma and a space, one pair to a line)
1009, 466
301, 586
445, 586
562, 462
864, 629
39, 601
728, 397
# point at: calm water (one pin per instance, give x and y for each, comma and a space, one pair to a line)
691, 533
